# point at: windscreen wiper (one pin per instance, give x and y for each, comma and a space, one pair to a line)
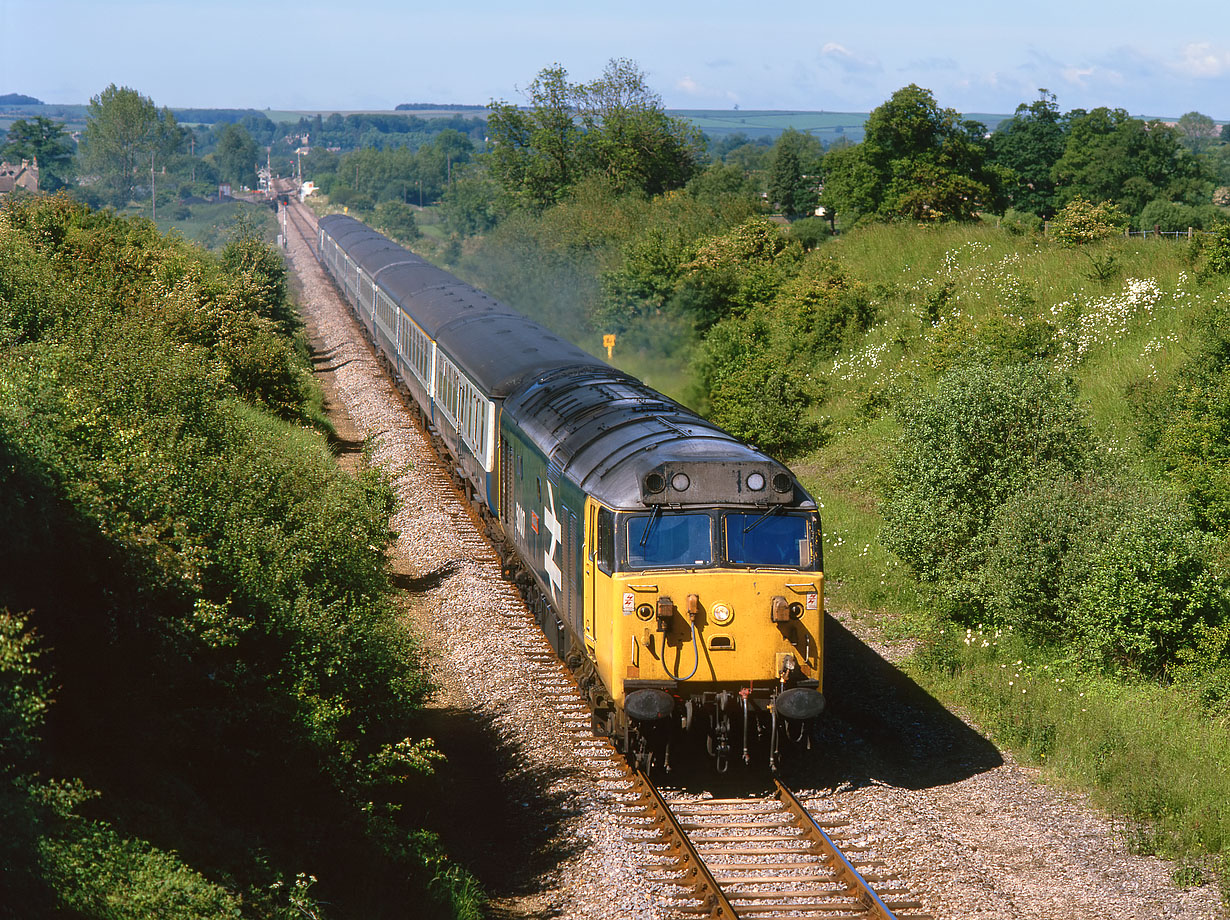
654, 513
773, 509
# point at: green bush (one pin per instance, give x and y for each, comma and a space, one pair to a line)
1081, 221
738, 270
1021, 223
1211, 252
397, 219
982, 437
1174, 215
224, 643
1145, 588
810, 232
762, 399
1026, 582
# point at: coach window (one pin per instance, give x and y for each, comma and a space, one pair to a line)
606, 540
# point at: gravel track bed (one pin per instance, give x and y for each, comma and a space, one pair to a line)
988, 842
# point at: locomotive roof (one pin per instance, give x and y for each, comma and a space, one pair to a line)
608, 432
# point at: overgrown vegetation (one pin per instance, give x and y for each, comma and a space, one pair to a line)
205, 700
1018, 437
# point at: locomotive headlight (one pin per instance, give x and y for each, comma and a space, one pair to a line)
755, 481
680, 482
722, 614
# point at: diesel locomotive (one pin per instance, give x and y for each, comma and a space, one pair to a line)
677, 569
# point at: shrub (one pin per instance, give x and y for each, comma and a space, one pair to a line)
1026, 582
966, 449
1081, 221
1020, 223
810, 232
1145, 587
1174, 215
740, 269
397, 219
763, 400
1211, 252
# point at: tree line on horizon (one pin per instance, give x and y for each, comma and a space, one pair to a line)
917, 161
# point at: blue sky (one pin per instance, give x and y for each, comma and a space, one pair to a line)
1155, 58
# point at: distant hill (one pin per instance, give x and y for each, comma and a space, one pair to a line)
435, 107
19, 99
825, 126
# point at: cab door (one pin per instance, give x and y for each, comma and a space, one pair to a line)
591, 583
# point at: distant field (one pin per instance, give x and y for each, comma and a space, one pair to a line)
826, 126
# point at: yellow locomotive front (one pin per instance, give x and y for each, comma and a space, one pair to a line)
707, 616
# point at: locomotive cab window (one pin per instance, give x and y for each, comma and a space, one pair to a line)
606, 540
768, 539
675, 540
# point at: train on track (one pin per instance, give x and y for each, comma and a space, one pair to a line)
676, 569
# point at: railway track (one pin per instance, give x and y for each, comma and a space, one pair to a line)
746, 857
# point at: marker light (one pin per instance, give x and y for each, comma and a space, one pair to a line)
722, 614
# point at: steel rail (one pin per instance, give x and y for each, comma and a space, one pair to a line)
686, 854
842, 866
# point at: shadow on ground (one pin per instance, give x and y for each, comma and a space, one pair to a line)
494, 816
879, 727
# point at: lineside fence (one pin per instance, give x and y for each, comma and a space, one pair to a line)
1156, 233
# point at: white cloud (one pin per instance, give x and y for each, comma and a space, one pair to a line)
1078, 75
847, 60
1201, 59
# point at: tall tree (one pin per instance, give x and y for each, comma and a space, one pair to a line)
793, 173
628, 137
1111, 156
47, 142
236, 156
1029, 144
123, 131
614, 127
534, 149
1197, 132
917, 161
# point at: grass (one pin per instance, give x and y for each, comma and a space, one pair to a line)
1148, 753
211, 224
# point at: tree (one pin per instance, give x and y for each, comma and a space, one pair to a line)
1111, 156
124, 131
916, 161
851, 185
47, 142
629, 138
534, 149
1029, 144
614, 127
792, 175
236, 156
1197, 132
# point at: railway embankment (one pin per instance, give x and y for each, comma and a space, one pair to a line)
972, 831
